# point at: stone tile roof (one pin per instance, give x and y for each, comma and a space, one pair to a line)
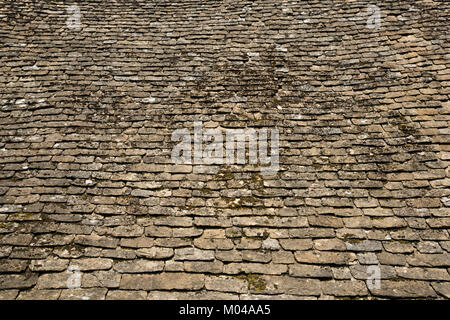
92, 205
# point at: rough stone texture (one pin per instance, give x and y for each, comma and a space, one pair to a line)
126, 295
163, 281
92, 206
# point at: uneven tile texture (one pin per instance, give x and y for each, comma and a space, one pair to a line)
92, 206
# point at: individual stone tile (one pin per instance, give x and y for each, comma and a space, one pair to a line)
367, 258
142, 242
324, 257
365, 245
118, 254
341, 273
391, 259
255, 256
296, 244
129, 231
310, 271
329, 244
192, 295
193, 254
248, 243
100, 279
212, 243
203, 266
283, 257
398, 247
173, 242
226, 284
126, 295
49, 264
17, 281
8, 294
438, 274
29, 253
60, 280
37, 294
16, 239
429, 247
96, 241
171, 265
429, 260
404, 289
13, 265
270, 244
155, 253
442, 288
344, 288
229, 255
83, 294
288, 285
88, 264
365, 272
269, 268
138, 266
163, 281
5, 251
50, 240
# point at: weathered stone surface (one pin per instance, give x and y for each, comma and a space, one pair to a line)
212, 243
310, 271
391, 259
143, 242
29, 253
83, 294
366, 245
163, 281
12, 265
155, 253
193, 254
430, 260
16, 239
442, 288
58, 280
96, 241
87, 264
229, 255
438, 274
49, 264
404, 289
17, 281
296, 244
293, 286
226, 284
203, 266
100, 279
8, 294
275, 297
271, 244
94, 197
5, 251
329, 245
118, 254
269, 268
344, 288
36, 294
202, 295
364, 272
126, 295
139, 266
324, 257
